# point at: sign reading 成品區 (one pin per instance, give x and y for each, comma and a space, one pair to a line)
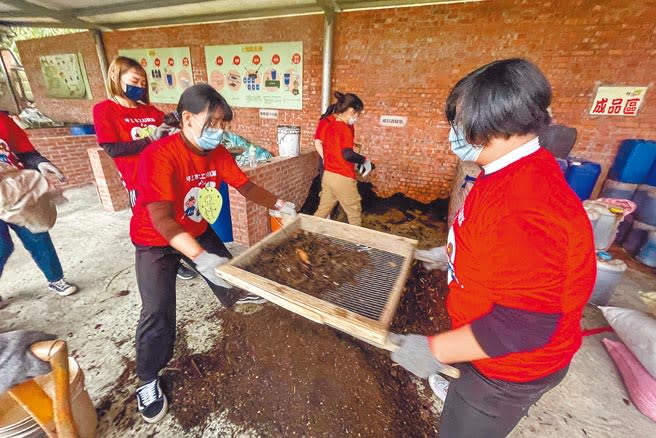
394, 121
618, 101
168, 70
258, 75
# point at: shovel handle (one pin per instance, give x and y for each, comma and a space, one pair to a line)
447, 370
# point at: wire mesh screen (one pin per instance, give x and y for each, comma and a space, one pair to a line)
367, 291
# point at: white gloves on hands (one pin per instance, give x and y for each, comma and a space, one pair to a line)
160, 132
47, 167
435, 258
365, 168
286, 208
206, 264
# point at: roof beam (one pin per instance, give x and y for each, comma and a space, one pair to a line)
130, 6
351, 5
30, 9
230, 16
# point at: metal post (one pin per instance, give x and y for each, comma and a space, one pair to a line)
102, 57
328, 22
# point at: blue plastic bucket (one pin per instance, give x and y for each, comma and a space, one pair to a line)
582, 177
645, 199
647, 254
634, 160
618, 190
223, 224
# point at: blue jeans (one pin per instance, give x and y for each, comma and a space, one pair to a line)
39, 245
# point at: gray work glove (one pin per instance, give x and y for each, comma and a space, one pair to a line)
286, 208
17, 363
415, 355
47, 167
434, 258
160, 132
206, 264
365, 168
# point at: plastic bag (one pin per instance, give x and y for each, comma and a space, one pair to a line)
638, 331
238, 145
640, 385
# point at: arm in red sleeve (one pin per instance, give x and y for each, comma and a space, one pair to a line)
161, 214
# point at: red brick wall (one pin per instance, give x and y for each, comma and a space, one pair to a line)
404, 61
247, 122
65, 110
68, 152
287, 178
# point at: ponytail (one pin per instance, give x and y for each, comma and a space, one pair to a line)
173, 119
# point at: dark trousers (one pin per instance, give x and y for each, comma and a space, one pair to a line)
156, 268
477, 407
39, 245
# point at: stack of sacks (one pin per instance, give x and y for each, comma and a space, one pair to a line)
635, 356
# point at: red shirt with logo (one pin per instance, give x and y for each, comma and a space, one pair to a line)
337, 137
13, 140
116, 123
523, 240
169, 170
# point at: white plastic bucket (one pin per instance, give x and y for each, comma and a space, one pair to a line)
15, 422
605, 228
609, 274
289, 140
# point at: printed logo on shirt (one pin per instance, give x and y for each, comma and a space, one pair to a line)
191, 200
139, 132
461, 216
8, 158
451, 257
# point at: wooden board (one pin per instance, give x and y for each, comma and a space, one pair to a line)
318, 310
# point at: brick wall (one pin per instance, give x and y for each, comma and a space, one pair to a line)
68, 152
66, 110
404, 61
287, 178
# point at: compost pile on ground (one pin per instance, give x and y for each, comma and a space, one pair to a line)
309, 262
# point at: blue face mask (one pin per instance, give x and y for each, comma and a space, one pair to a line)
209, 138
460, 146
133, 92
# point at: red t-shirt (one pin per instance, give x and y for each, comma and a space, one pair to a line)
337, 137
523, 240
115, 123
171, 171
322, 125
13, 140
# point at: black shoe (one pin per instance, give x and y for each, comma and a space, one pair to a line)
251, 299
151, 401
185, 273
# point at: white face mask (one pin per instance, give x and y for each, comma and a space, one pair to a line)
459, 146
352, 120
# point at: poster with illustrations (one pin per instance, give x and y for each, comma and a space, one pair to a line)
168, 69
65, 76
258, 75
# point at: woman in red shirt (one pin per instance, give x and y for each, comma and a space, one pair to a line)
520, 259
126, 123
338, 183
178, 181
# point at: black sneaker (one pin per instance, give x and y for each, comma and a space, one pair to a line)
62, 287
185, 273
251, 299
151, 402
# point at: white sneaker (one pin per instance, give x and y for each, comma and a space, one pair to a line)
439, 385
62, 287
151, 401
250, 299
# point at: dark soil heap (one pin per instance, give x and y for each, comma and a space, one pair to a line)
309, 263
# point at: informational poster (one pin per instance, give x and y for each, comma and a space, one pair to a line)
168, 70
618, 101
258, 75
65, 76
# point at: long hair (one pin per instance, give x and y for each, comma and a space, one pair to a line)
344, 102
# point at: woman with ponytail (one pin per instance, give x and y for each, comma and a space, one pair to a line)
177, 183
126, 123
335, 133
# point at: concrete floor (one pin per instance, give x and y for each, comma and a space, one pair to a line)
99, 324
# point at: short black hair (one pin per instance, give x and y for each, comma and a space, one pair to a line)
196, 99
501, 99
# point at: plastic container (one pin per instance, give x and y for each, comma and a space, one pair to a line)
647, 254
15, 422
609, 273
645, 199
582, 177
275, 218
633, 162
624, 229
619, 190
651, 176
593, 216
223, 224
605, 227
289, 140
83, 129
562, 163
637, 237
